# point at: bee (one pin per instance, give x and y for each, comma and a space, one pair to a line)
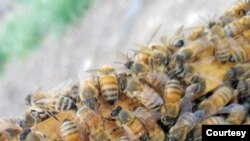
196, 33
108, 84
92, 123
243, 87
31, 135
184, 125
72, 93
197, 86
171, 97
239, 10
214, 120
237, 112
69, 131
89, 94
132, 126
150, 124
34, 115
235, 73
10, 129
217, 100
156, 80
222, 50
176, 41
146, 95
237, 27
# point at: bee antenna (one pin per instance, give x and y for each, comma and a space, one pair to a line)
51, 114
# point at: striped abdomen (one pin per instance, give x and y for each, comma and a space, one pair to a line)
171, 97
150, 99
69, 131
216, 120
109, 88
65, 104
222, 96
136, 130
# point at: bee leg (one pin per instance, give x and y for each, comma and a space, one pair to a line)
116, 129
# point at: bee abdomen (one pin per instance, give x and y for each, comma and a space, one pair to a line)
66, 104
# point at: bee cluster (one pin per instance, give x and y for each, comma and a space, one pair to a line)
166, 92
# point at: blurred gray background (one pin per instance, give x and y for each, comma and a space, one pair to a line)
107, 28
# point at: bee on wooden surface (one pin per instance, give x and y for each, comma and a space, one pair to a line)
92, 123
150, 124
193, 50
217, 100
89, 94
69, 131
10, 129
184, 125
31, 135
171, 97
132, 126
237, 112
146, 95
156, 80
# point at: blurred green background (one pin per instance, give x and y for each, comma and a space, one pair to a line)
31, 20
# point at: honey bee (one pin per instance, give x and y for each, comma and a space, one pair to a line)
72, 93
176, 41
238, 26
171, 97
34, 115
132, 126
217, 100
31, 135
243, 87
193, 50
156, 80
196, 88
69, 131
146, 95
196, 33
237, 112
240, 9
89, 94
222, 50
150, 124
214, 120
92, 123
10, 129
108, 84
236, 73
184, 125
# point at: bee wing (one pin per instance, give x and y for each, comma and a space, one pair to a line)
60, 87
211, 78
185, 106
227, 109
179, 30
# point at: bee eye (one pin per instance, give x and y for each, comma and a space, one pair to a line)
232, 59
116, 111
123, 85
178, 43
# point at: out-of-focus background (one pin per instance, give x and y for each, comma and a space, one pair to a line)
44, 43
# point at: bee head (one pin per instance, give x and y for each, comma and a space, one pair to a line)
178, 43
128, 64
24, 134
91, 103
165, 120
116, 111
232, 73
